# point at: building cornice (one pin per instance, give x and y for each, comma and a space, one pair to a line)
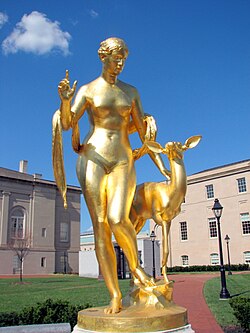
10, 175
220, 172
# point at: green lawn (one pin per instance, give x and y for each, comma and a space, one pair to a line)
237, 284
76, 290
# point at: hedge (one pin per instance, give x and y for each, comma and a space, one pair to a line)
47, 312
241, 308
207, 268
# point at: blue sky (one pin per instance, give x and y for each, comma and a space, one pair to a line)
189, 59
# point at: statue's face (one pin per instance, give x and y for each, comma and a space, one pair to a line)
115, 62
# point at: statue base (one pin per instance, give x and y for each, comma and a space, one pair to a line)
184, 329
144, 309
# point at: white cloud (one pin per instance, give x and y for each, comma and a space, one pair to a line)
35, 33
93, 13
3, 19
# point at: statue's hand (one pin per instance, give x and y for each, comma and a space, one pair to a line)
151, 129
65, 92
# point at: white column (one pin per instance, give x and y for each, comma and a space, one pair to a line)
4, 218
31, 217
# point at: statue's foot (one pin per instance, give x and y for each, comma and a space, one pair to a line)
143, 278
115, 306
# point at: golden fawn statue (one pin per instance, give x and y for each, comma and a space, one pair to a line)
162, 201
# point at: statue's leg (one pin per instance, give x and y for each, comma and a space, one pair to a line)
165, 248
137, 221
93, 181
121, 187
107, 260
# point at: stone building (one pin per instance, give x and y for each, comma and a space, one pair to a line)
31, 209
194, 234
88, 265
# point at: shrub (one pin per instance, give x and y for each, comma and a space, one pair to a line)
47, 312
9, 319
207, 268
241, 308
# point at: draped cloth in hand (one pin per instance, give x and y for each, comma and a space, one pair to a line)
151, 132
57, 156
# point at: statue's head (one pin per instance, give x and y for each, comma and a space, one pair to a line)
113, 53
110, 45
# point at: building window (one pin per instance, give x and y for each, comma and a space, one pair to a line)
44, 232
214, 259
183, 230
210, 191
184, 260
140, 257
43, 262
212, 227
17, 223
242, 186
247, 257
245, 221
64, 263
64, 232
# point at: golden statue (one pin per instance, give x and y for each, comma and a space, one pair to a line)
106, 172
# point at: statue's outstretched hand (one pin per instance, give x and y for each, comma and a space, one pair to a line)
151, 129
65, 92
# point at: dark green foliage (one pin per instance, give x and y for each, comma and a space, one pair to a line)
206, 268
241, 308
9, 319
47, 312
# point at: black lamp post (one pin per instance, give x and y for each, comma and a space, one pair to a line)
153, 237
217, 210
227, 239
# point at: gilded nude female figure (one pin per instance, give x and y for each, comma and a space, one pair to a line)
105, 166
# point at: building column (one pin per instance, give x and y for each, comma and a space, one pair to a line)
31, 218
4, 218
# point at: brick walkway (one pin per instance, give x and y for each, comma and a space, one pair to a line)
188, 292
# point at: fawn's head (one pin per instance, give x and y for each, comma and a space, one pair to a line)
174, 149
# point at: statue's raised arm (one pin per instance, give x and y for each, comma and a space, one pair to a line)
66, 94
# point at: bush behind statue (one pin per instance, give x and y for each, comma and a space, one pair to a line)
207, 268
47, 312
241, 308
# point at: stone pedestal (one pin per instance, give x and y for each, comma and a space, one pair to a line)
144, 309
184, 329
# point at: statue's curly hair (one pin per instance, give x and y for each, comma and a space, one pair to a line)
112, 44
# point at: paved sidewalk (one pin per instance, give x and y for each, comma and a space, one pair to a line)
188, 292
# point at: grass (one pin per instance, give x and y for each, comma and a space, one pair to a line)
237, 285
76, 290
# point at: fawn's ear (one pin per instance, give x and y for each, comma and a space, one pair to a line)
192, 142
154, 146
